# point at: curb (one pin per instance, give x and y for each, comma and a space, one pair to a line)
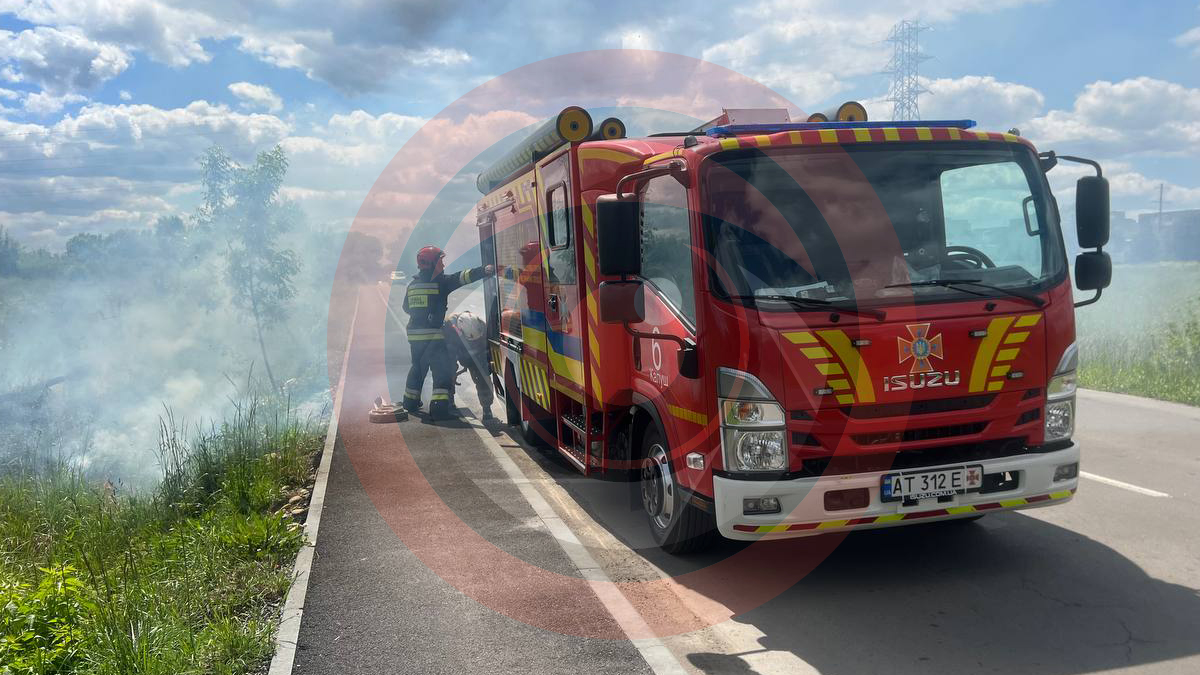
288, 633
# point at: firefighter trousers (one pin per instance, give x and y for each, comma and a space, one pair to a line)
483, 384
427, 355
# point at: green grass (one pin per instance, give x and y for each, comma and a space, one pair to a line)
183, 579
1143, 336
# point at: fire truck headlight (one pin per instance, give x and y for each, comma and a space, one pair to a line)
759, 451
751, 413
1060, 419
1060, 397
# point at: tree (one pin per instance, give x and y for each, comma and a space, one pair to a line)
10, 253
244, 203
361, 253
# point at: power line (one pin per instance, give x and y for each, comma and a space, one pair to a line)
906, 57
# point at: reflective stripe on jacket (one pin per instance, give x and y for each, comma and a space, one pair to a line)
425, 301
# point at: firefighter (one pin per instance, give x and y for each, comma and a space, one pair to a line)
466, 340
425, 302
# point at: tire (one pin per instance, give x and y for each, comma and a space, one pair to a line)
677, 526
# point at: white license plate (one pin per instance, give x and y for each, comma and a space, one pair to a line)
928, 484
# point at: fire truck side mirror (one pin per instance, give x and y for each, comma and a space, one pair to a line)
689, 362
1091, 211
618, 234
622, 302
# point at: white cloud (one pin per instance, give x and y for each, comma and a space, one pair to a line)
9, 94
996, 105
60, 61
125, 95
41, 103
1137, 116
1190, 40
256, 96
357, 48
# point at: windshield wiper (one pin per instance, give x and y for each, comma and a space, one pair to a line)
955, 283
816, 304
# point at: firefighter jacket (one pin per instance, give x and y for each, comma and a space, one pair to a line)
425, 301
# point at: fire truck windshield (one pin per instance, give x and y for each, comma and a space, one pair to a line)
863, 222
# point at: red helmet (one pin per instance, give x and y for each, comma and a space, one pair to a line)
427, 258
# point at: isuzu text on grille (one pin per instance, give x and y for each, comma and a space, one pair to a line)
944, 378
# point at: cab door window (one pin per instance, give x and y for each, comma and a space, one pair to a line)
667, 244
558, 236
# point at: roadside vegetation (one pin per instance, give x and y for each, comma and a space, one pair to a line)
1143, 337
183, 579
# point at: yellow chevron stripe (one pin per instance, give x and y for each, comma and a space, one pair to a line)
1009, 503
1007, 354
960, 509
890, 518
816, 352
852, 360
839, 384
796, 137
923, 134
829, 524
891, 134
954, 135
862, 135
800, 337
587, 220
1061, 495
829, 368
845, 399
987, 350
729, 143
661, 155
1016, 338
1000, 371
828, 135
762, 139
771, 528
1028, 320
589, 262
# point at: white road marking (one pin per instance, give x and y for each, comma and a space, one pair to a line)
1123, 485
293, 607
660, 659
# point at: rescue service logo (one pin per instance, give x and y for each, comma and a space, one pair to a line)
921, 349
548, 311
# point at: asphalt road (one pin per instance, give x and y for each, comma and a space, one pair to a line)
456, 548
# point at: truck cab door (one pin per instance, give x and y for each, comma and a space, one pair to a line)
564, 322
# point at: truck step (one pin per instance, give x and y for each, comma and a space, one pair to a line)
576, 423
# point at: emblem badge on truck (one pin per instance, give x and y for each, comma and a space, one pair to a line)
921, 348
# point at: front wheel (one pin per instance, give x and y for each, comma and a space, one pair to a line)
676, 525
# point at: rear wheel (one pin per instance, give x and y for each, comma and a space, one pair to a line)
677, 526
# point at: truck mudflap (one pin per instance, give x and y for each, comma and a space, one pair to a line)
803, 502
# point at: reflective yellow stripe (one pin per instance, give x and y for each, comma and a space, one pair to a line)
923, 134
987, 349
762, 139
852, 360
589, 262
954, 135
828, 136
587, 217
1028, 320
420, 338
1009, 503
796, 137
688, 415
862, 135
606, 155
995, 386
960, 509
891, 134
729, 144
816, 352
829, 524
845, 399
1000, 371
890, 518
772, 528
1060, 495
829, 368
800, 337
423, 291
1016, 338
1007, 354
839, 384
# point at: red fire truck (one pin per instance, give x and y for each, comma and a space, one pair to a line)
786, 328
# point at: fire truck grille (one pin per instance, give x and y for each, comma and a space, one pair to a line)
915, 459
918, 407
911, 435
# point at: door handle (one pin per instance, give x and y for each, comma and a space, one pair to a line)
553, 302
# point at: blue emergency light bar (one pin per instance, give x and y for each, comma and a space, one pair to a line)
735, 129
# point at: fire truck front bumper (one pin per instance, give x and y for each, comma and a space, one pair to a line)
808, 506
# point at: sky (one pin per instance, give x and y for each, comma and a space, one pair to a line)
105, 105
